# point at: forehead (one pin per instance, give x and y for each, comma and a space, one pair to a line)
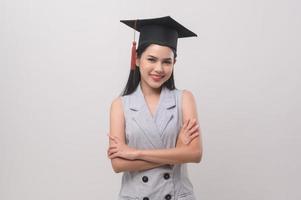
158, 51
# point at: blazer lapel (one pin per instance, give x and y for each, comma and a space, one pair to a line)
142, 117
166, 110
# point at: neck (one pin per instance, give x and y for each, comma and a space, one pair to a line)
149, 91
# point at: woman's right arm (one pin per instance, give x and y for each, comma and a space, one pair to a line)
117, 128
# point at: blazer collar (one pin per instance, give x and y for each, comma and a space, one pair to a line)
137, 100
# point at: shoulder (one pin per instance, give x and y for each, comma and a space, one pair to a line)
117, 124
188, 105
116, 105
187, 96
116, 102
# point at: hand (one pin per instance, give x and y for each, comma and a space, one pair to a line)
119, 149
188, 132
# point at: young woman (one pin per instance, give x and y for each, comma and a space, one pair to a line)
154, 128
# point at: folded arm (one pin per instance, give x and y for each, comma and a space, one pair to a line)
171, 156
121, 164
191, 152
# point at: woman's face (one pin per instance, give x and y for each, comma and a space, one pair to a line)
156, 65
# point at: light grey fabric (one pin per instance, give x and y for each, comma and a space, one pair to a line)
144, 131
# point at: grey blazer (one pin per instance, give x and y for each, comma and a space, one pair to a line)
144, 131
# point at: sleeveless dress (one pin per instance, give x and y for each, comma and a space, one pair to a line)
144, 131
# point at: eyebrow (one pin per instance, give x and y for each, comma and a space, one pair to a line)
156, 57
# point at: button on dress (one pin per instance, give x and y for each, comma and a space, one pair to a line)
144, 131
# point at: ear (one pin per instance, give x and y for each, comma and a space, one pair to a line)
137, 61
175, 60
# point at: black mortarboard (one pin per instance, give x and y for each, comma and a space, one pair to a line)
163, 31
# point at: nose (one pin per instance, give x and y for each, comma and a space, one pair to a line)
159, 67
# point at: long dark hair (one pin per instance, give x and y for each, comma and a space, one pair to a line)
135, 78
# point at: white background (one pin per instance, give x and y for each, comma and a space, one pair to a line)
63, 62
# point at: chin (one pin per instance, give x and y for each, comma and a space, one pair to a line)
155, 84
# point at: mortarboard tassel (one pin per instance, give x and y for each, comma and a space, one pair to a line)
133, 58
134, 55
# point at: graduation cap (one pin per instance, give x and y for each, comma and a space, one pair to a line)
164, 31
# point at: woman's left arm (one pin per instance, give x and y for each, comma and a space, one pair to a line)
182, 153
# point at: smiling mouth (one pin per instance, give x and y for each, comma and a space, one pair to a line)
156, 78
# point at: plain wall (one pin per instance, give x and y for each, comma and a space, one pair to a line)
63, 62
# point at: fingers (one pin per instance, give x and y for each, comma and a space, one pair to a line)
195, 128
113, 147
113, 155
190, 126
194, 135
111, 137
191, 137
111, 150
186, 124
191, 123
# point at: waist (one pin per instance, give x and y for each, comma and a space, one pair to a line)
157, 182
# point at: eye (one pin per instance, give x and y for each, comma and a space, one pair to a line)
151, 59
167, 62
